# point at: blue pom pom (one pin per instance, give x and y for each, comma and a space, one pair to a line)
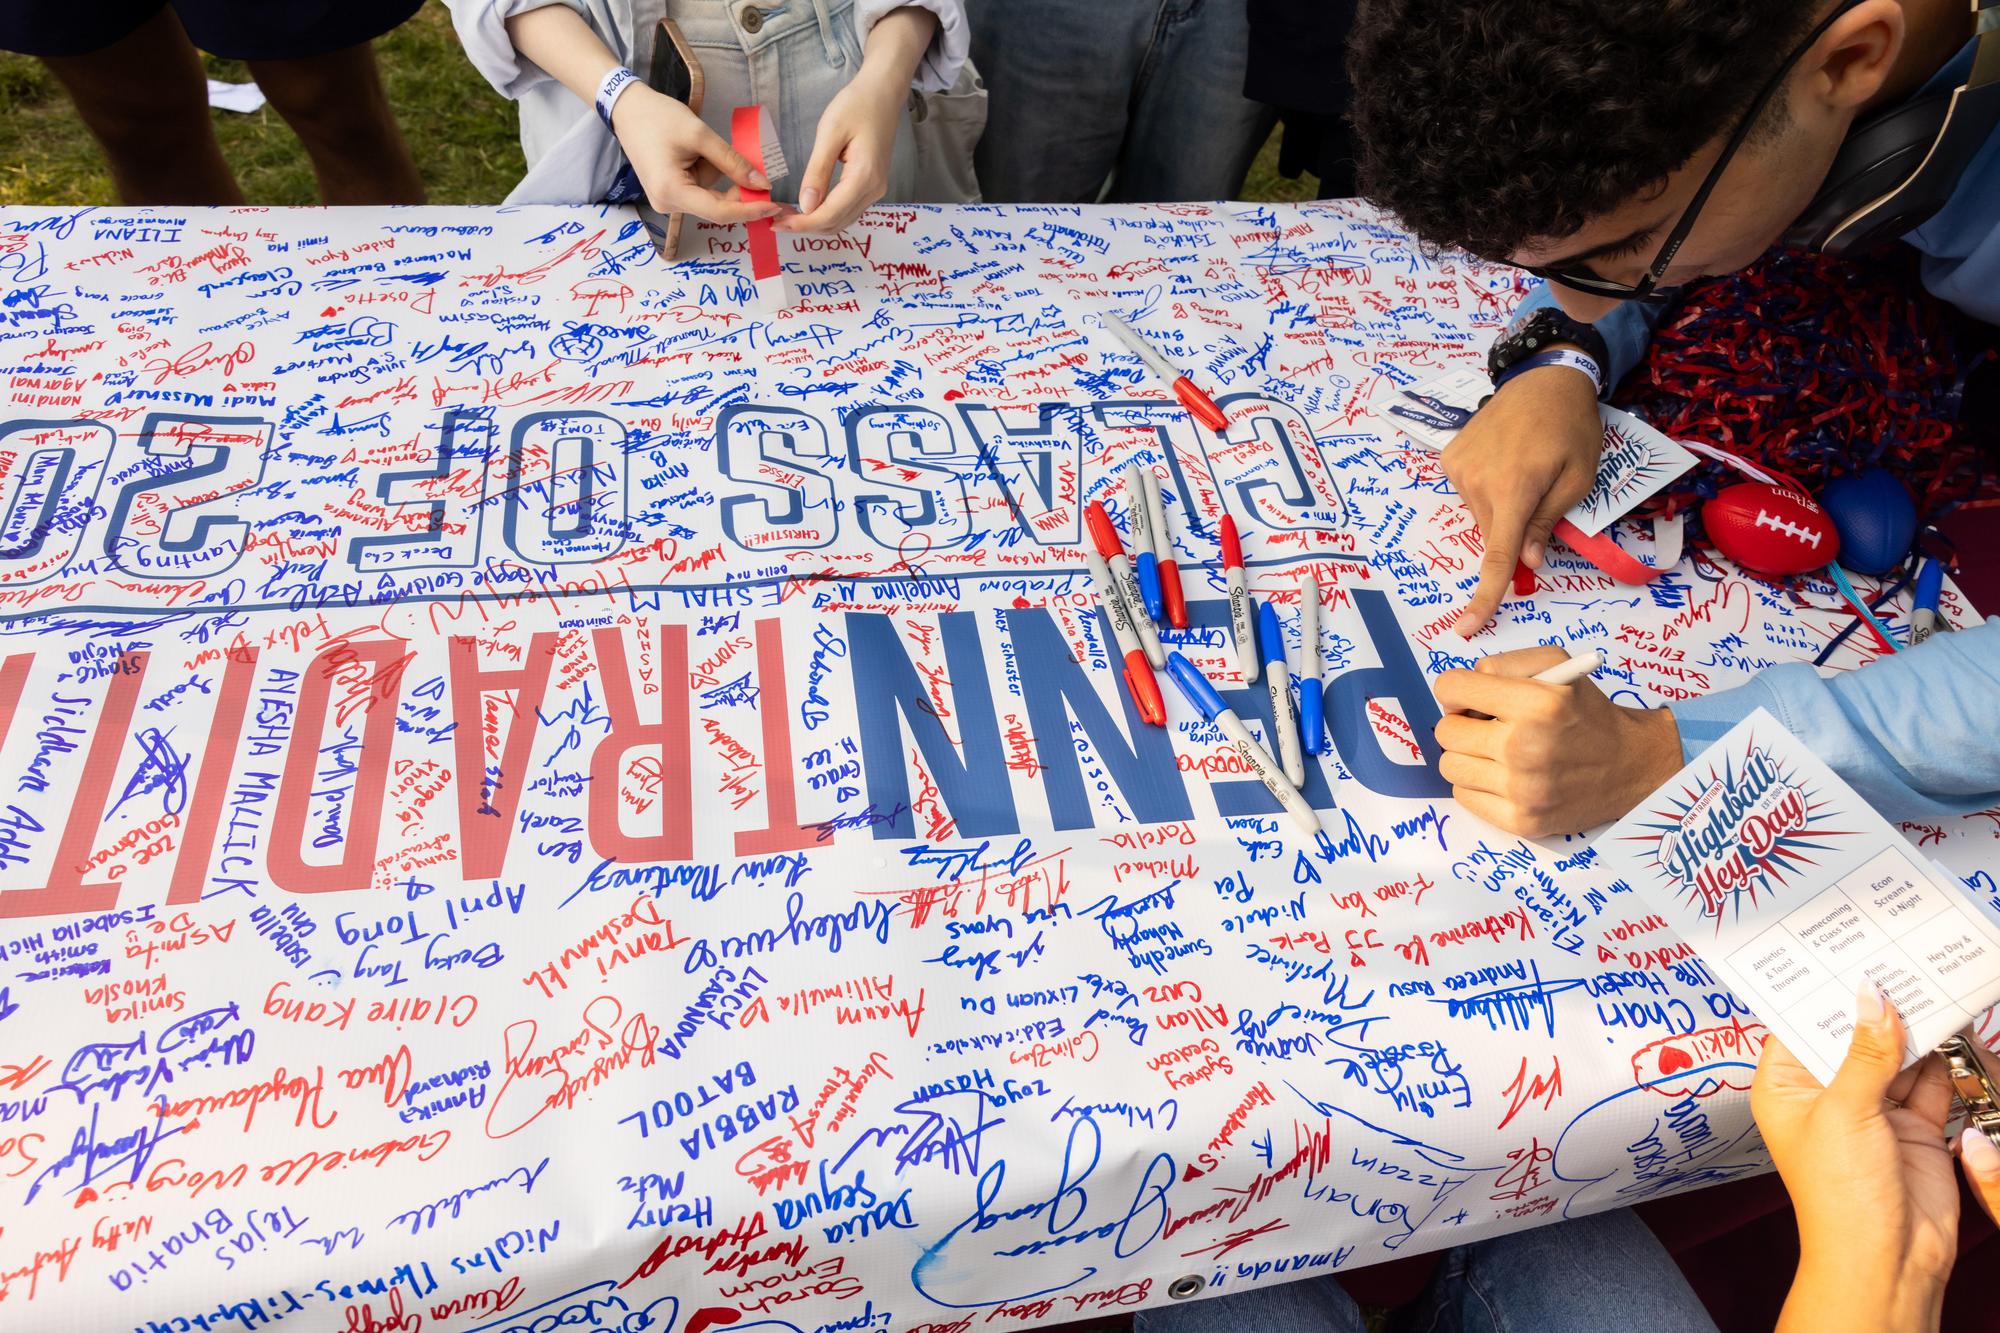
1875, 516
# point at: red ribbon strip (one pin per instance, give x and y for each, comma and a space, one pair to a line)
746, 134
1607, 554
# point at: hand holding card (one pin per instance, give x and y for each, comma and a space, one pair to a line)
1799, 896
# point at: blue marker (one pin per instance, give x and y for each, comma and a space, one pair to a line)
1210, 705
1278, 680
1312, 690
1924, 619
1145, 557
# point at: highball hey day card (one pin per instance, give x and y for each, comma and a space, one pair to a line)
1795, 891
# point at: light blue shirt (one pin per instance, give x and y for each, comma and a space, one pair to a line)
1917, 734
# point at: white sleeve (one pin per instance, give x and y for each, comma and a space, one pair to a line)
949, 47
482, 31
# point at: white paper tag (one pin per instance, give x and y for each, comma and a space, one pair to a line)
1462, 388
1637, 463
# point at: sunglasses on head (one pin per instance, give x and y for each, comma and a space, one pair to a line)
1582, 279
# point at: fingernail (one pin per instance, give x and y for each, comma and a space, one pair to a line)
1532, 553
809, 199
1980, 1155
757, 180
1869, 1006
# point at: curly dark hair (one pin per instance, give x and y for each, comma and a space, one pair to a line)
1490, 124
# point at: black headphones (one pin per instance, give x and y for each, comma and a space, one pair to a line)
1896, 169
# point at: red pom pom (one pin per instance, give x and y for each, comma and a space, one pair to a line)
1771, 530
1816, 367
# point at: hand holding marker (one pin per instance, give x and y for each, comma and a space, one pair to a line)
1278, 680
1145, 560
1139, 680
1210, 705
1571, 670
1113, 552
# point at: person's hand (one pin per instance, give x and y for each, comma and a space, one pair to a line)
1536, 759
858, 131
677, 158
858, 128
1870, 1175
1520, 464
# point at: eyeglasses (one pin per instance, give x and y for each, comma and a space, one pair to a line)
1583, 280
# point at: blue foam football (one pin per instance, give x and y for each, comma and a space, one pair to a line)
1875, 516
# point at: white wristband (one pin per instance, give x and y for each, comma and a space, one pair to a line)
610, 89
1558, 356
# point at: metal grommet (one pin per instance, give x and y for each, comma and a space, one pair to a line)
751, 19
1183, 1287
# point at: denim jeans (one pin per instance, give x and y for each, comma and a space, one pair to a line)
801, 53
1148, 93
1586, 1275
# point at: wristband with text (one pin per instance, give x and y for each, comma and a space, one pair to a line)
1556, 356
1543, 330
614, 83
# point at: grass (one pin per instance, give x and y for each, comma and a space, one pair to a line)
463, 134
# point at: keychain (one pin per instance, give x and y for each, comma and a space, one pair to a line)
1972, 1086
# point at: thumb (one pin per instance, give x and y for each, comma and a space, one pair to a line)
1521, 662
1981, 1160
715, 150
1874, 1056
818, 179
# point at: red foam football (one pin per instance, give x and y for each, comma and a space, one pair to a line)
1770, 529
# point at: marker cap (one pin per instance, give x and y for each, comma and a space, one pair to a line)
1269, 637
1145, 690
1232, 544
1312, 714
1195, 686
1170, 586
1199, 405
1101, 530
1930, 583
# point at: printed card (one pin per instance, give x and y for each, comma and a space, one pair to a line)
1795, 892
1424, 411
1637, 463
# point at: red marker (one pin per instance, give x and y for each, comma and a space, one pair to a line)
1198, 404
1139, 680
1163, 547
1242, 616
1125, 579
